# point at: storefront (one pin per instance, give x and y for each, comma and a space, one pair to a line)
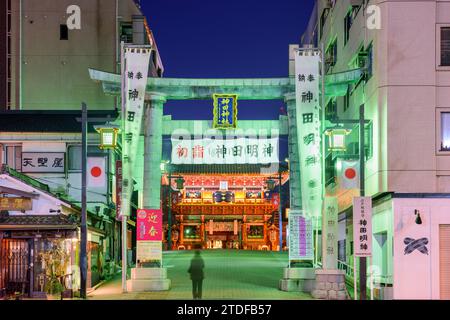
39, 240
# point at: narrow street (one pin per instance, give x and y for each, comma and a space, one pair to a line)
229, 274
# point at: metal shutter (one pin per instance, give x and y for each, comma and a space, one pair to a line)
444, 261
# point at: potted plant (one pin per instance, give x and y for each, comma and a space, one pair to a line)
55, 261
53, 287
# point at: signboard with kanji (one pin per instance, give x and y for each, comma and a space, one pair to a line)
43, 162
149, 225
301, 245
149, 233
227, 151
225, 111
362, 226
15, 204
118, 189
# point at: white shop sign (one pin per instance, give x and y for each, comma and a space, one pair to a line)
49, 162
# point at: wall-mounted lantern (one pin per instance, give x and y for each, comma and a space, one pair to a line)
108, 135
336, 138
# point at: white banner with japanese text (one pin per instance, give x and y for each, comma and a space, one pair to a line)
308, 125
229, 151
134, 80
362, 226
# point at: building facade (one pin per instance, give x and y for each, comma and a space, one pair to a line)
46, 77
404, 89
45, 62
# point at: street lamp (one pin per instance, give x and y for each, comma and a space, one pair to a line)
108, 135
336, 138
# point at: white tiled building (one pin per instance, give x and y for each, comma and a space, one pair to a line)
405, 48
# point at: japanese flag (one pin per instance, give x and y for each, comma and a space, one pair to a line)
349, 175
96, 172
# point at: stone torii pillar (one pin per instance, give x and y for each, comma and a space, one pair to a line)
295, 194
152, 278
297, 278
153, 150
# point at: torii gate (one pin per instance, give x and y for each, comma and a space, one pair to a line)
159, 90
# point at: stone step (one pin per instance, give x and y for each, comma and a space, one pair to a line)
299, 273
148, 285
148, 273
293, 285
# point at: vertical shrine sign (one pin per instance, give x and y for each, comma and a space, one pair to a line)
149, 235
135, 62
307, 63
225, 111
118, 189
300, 236
362, 226
330, 231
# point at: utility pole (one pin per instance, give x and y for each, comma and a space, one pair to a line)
83, 242
83, 228
362, 260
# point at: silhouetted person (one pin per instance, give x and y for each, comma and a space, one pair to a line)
196, 271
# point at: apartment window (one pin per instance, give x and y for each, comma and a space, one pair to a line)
63, 32
323, 19
126, 32
330, 169
347, 98
445, 131
74, 155
369, 62
348, 21
331, 109
13, 157
331, 55
445, 46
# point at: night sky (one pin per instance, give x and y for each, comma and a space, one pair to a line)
226, 39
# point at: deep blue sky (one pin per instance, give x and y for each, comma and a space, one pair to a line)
226, 39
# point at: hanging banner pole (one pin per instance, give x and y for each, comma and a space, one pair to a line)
134, 71
307, 73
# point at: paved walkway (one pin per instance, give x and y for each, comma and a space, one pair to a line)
229, 274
